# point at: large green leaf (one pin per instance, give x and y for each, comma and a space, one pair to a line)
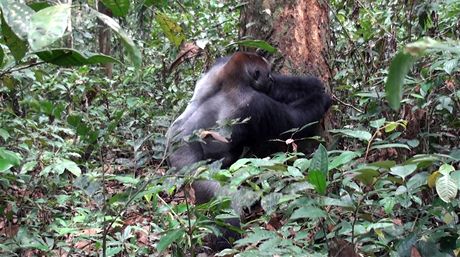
134, 54
17, 16
17, 46
37, 6
11, 157
261, 44
318, 180
169, 238
403, 171
446, 188
309, 212
359, 134
48, 25
319, 160
343, 158
399, 67
71, 57
119, 8
171, 29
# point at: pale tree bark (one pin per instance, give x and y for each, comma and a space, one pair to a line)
104, 36
299, 29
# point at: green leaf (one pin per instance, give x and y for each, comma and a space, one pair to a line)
318, 180
169, 238
5, 165
119, 8
11, 157
255, 237
69, 165
343, 158
308, 212
17, 16
377, 123
69, 57
383, 164
17, 46
261, 44
171, 29
446, 169
319, 160
127, 180
294, 172
403, 171
399, 68
2, 55
37, 6
394, 145
4, 134
270, 202
346, 202
446, 188
366, 175
456, 177
134, 54
48, 25
359, 134
391, 126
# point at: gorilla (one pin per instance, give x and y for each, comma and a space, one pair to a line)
242, 88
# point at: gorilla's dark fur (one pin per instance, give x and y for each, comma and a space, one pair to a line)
239, 87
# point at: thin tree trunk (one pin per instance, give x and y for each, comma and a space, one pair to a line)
104, 36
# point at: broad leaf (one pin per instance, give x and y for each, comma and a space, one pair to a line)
342, 159
309, 212
446, 169
4, 134
69, 165
171, 29
134, 53
71, 57
359, 134
319, 160
17, 16
119, 8
17, 46
446, 188
366, 175
169, 238
11, 157
394, 145
37, 6
48, 25
399, 67
5, 165
270, 202
403, 171
318, 180
261, 44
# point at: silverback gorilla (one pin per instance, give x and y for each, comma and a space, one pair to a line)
242, 87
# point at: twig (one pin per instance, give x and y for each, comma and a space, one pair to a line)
11, 70
348, 105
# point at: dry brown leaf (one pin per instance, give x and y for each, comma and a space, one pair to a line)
414, 252
213, 134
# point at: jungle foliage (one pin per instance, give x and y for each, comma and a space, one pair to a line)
82, 169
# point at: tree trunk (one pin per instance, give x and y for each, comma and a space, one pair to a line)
299, 29
104, 36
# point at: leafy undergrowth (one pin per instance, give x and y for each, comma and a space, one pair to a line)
82, 169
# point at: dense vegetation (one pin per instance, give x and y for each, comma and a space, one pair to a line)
82, 154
